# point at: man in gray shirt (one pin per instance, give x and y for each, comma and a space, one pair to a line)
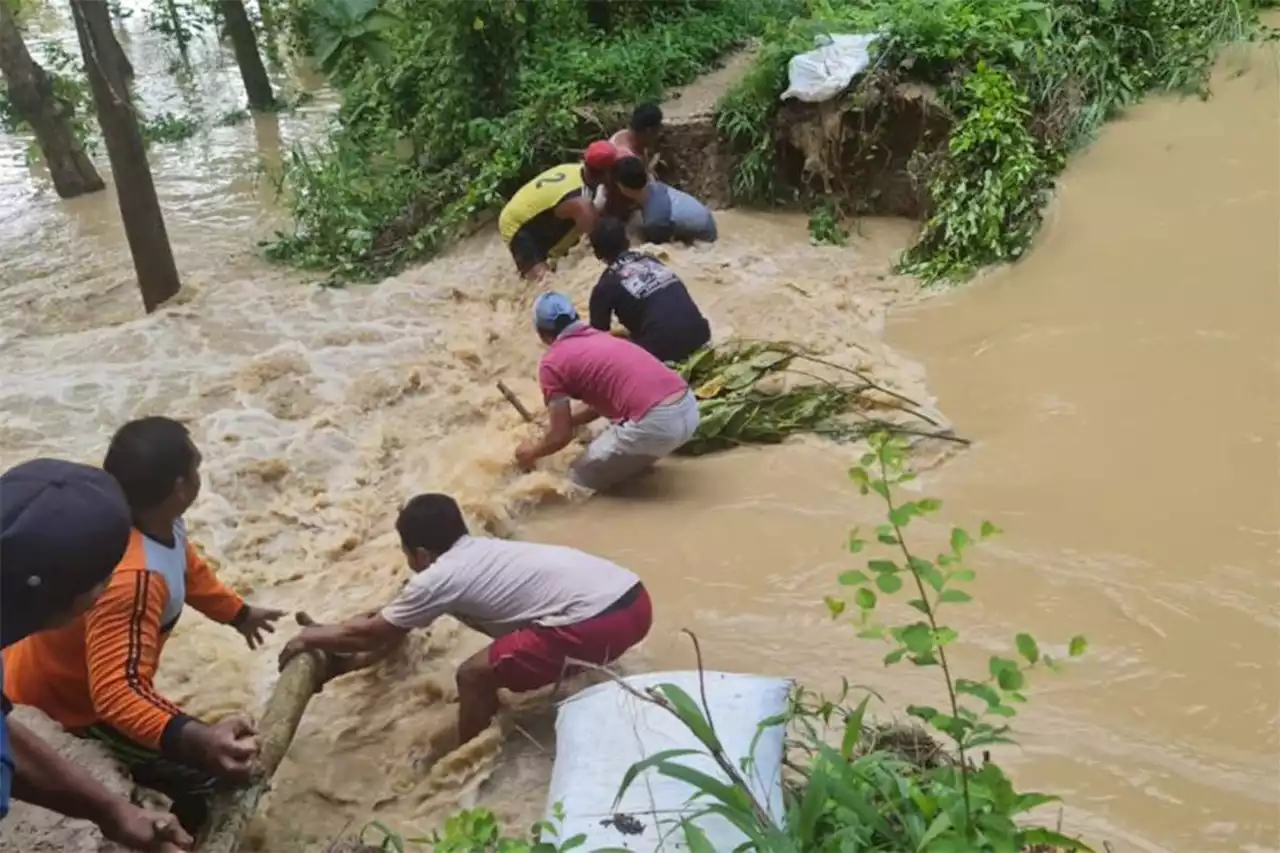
667, 214
543, 606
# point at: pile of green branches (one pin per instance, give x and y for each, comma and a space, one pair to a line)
746, 396
449, 107
1027, 82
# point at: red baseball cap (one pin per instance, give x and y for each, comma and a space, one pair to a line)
600, 156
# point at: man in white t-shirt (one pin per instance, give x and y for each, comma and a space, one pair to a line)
542, 605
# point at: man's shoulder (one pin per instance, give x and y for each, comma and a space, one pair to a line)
474, 554
608, 280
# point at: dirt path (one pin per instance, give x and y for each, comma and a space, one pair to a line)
698, 99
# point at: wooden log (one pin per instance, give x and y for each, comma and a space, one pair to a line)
231, 811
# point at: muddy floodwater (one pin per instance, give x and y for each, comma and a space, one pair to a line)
1121, 385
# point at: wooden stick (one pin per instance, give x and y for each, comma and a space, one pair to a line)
515, 401
231, 811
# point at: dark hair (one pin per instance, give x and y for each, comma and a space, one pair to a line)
646, 117
431, 521
630, 172
148, 457
609, 239
561, 323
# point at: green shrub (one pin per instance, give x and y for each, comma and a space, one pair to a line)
1027, 82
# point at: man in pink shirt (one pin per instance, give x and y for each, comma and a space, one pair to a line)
650, 406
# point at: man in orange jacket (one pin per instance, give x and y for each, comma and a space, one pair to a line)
95, 676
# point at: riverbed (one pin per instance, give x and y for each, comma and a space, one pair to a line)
1119, 384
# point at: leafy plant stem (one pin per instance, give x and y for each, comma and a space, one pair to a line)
941, 652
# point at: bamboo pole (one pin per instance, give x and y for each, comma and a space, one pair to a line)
231, 811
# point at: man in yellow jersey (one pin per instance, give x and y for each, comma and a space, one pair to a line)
550, 213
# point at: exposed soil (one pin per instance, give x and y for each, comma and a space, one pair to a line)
873, 147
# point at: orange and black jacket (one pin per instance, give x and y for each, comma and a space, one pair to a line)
101, 668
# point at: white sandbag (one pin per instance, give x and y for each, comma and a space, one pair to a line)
603, 730
821, 74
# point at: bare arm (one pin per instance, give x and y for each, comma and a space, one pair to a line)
582, 212
44, 778
362, 634
559, 431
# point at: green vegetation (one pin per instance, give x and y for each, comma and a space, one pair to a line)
167, 127
748, 393
854, 785
825, 224
1027, 82
465, 100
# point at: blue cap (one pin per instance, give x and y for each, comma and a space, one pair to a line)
549, 308
63, 528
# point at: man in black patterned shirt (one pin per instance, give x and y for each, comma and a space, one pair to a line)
650, 300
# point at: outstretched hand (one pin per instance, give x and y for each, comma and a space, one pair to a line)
258, 622
335, 664
298, 644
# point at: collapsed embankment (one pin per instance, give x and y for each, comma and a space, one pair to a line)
872, 148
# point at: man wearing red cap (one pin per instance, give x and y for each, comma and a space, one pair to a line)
601, 159
548, 215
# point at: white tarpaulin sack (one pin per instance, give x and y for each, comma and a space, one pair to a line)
603, 730
821, 74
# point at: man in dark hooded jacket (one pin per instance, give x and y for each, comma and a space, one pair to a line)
63, 529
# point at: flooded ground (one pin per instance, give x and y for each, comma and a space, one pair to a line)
1120, 385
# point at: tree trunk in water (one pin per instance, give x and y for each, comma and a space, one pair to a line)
231, 811
135, 190
245, 43
31, 91
116, 55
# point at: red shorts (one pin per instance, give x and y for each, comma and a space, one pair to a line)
536, 656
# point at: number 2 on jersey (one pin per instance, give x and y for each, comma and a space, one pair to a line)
550, 179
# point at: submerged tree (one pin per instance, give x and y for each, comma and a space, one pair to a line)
139, 208
34, 101
240, 29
